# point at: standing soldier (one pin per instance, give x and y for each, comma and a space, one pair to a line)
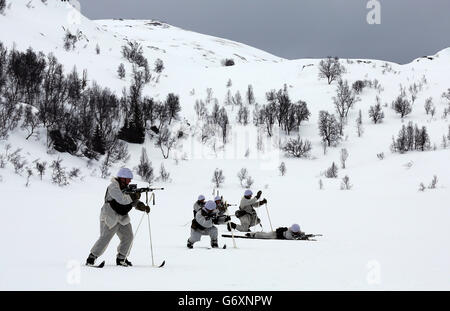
199, 203
114, 218
246, 213
203, 224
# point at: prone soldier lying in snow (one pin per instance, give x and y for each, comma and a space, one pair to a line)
282, 233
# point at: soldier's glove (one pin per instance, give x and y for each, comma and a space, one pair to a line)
227, 218
264, 201
135, 196
215, 220
142, 207
258, 195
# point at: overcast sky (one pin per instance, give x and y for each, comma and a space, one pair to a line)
301, 28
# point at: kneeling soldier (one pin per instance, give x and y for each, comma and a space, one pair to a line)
203, 224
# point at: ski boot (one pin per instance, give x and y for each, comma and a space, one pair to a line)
90, 261
231, 225
190, 245
123, 262
214, 244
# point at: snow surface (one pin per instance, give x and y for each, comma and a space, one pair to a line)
383, 234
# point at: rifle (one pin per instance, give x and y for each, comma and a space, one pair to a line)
132, 188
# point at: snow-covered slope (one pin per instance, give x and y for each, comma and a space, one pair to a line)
381, 234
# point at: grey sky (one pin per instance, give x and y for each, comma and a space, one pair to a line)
301, 28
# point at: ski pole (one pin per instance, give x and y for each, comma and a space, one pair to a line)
150, 234
232, 230
270, 222
149, 228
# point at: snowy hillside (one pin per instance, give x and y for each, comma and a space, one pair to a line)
382, 234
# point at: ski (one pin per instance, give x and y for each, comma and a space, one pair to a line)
162, 265
306, 238
223, 247
101, 265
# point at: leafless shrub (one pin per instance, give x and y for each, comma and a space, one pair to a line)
164, 175
17, 161
282, 169
380, 156
345, 184
248, 182
59, 175
332, 171
433, 183
344, 157
218, 178
297, 147
41, 167
242, 175
74, 173
29, 174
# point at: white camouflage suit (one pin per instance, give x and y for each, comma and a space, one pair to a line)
205, 220
112, 223
250, 219
286, 235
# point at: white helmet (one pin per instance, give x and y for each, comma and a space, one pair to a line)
125, 173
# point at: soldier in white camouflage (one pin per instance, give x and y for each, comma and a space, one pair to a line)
203, 224
247, 213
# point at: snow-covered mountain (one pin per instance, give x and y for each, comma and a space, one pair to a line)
381, 234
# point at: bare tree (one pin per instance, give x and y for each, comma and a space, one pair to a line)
59, 175
297, 147
242, 115
29, 174
331, 69
446, 95
2, 6
250, 95
165, 141
345, 184
402, 106
282, 169
31, 121
218, 178
145, 168
343, 101
242, 175
248, 182
332, 171
164, 175
329, 128
159, 66
376, 112
121, 71
344, 157
41, 167
359, 125
433, 183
